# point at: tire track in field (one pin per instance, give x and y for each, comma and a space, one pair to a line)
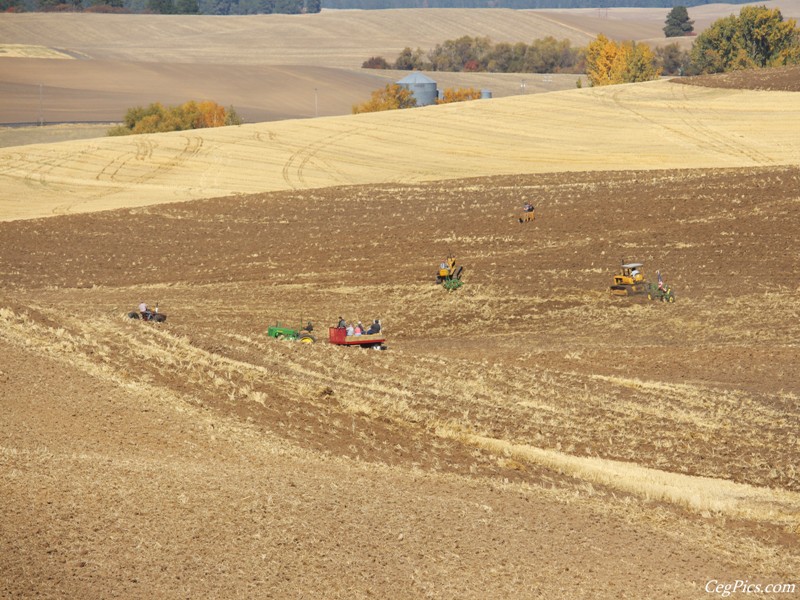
299, 160
193, 145
700, 135
694, 121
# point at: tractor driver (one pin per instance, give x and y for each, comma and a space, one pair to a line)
527, 207
144, 311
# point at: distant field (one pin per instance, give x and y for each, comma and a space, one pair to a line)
647, 126
272, 67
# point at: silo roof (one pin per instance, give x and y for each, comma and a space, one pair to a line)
416, 78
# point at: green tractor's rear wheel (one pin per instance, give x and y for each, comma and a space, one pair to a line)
306, 338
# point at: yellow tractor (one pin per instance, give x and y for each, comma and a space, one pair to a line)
630, 281
449, 275
528, 213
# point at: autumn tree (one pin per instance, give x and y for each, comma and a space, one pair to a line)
409, 60
458, 95
757, 37
549, 55
678, 23
158, 118
609, 62
453, 55
507, 58
375, 62
392, 97
672, 59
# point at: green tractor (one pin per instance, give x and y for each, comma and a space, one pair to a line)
303, 334
663, 294
448, 275
660, 291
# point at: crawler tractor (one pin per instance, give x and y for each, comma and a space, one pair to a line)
630, 281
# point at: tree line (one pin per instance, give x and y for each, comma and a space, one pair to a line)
166, 7
757, 37
479, 54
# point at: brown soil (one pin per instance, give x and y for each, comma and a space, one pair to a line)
781, 79
202, 458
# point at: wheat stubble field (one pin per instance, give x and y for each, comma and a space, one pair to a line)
527, 436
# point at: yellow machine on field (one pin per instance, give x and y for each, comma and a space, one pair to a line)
449, 275
528, 213
630, 280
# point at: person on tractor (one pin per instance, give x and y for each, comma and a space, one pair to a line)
145, 311
527, 207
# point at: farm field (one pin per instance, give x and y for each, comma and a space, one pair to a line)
527, 435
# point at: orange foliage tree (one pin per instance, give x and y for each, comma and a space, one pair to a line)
158, 118
392, 97
458, 95
609, 62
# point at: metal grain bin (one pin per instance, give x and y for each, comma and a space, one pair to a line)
422, 87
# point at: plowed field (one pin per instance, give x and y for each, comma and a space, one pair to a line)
525, 436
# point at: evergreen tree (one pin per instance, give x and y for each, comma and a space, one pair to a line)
313, 6
678, 23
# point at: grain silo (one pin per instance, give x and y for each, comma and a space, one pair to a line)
422, 87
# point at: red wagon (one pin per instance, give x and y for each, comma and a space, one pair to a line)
338, 336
